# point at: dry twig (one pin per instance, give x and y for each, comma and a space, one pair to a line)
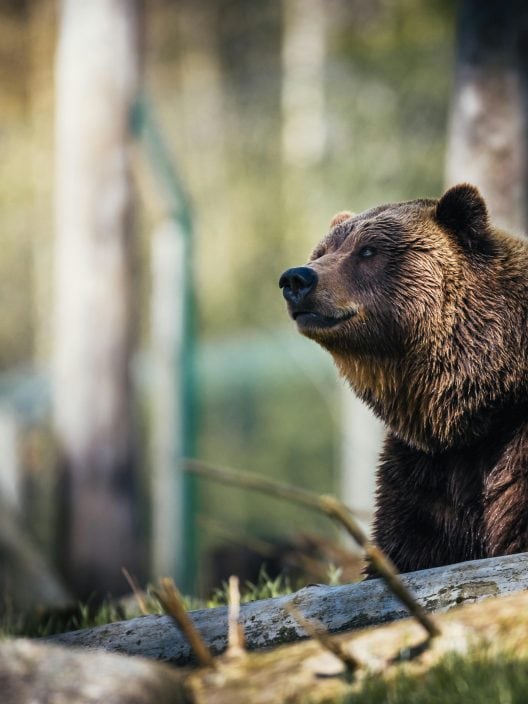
316, 630
235, 633
331, 507
171, 601
132, 583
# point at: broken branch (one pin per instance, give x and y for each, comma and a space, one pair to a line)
171, 600
316, 630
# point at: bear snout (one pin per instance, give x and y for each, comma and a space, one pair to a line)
297, 283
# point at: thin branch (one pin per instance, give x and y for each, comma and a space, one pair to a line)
381, 563
316, 630
331, 507
235, 633
132, 583
172, 603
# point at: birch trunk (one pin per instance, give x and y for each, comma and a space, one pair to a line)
167, 329
97, 76
488, 137
302, 95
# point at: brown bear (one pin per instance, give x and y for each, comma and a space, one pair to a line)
423, 306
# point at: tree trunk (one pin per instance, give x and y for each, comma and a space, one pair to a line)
167, 329
488, 137
97, 75
361, 442
302, 94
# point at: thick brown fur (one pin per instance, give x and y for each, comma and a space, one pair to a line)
423, 306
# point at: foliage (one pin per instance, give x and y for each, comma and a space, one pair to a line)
86, 616
214, 75
251, 428
40, 626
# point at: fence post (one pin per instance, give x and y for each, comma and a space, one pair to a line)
174, 348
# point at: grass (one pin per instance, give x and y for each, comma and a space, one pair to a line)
264, 588
479, 677
40, 625
13, 624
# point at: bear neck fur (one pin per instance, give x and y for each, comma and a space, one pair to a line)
450, 389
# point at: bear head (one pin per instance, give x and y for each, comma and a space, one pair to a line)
411, 301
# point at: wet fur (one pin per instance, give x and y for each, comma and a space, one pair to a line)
439, 352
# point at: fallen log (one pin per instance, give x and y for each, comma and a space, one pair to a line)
39, 672
266, 623
481, 654
492, 639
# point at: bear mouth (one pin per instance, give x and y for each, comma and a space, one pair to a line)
311, 319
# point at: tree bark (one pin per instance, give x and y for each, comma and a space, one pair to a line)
36, 672
488, 135
347, 607
97, 76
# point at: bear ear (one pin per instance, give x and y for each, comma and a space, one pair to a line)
463, 212
341, 217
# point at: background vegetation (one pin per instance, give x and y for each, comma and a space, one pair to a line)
215, 75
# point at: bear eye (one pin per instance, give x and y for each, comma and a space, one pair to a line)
367, 251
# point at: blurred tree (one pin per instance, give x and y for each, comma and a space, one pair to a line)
202, 92
303, 114
97, 78
488, 136
41, 30
303, 63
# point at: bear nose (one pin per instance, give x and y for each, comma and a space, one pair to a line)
297, 283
